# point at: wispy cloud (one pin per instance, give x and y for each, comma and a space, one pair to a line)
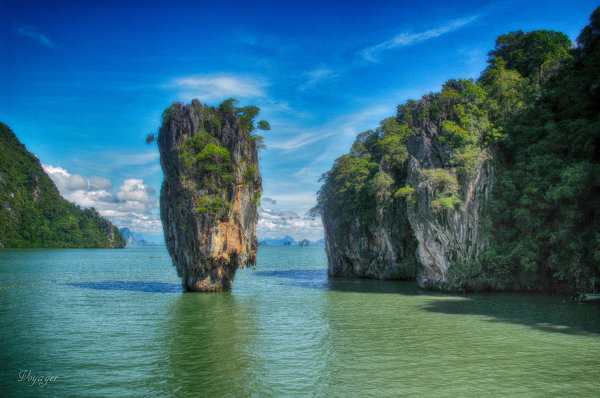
34, 33
216, 88
134, 159
315, 76
406, 39
344, 126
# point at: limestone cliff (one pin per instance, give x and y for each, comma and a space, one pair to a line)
450, 236
210, 192
408, 201
382, 247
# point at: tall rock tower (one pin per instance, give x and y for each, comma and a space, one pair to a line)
211, 191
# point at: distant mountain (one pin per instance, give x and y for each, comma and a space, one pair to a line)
307, 243
289, 241
137, 239
32, 212
278, 241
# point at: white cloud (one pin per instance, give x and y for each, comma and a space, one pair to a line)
406, 39
73, 182
134, 205
266, 199
135, 190
217, 88
34, 33
274, 224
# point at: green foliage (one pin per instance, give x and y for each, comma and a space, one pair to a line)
546, 201
508, 90
212, 204
264, 125
256, 198
228, 106
378, 158
150, 138
534, 54
407, 192
205, 160
202, 155
455, 136
250, 173
33, 214
246, 116
206, 163
444, 185
167, 113
345, 194
465, 160
381, 186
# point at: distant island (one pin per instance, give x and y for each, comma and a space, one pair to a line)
32, 212
136, 239
290, 241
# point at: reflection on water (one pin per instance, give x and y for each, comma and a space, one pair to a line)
209, 351
286, 330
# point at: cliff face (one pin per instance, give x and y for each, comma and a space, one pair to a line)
32, 212
445, 237
375, 248
210, 194
421, 183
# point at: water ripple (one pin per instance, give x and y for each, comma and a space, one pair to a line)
133, 286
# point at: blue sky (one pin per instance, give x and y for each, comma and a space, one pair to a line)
83, 83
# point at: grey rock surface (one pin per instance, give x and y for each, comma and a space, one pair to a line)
209, 217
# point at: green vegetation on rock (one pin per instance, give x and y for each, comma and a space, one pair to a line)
32, 212
546, 204
445, 185
207, 162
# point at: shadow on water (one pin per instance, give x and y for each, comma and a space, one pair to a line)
304, 274
133, 286
543, 312
318, 279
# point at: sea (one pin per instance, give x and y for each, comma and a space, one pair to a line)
116, 323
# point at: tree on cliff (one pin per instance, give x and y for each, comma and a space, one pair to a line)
246, 114
534, 54
549, 177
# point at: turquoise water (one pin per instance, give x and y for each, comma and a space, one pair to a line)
102, 323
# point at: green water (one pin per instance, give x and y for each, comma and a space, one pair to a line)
115, 323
